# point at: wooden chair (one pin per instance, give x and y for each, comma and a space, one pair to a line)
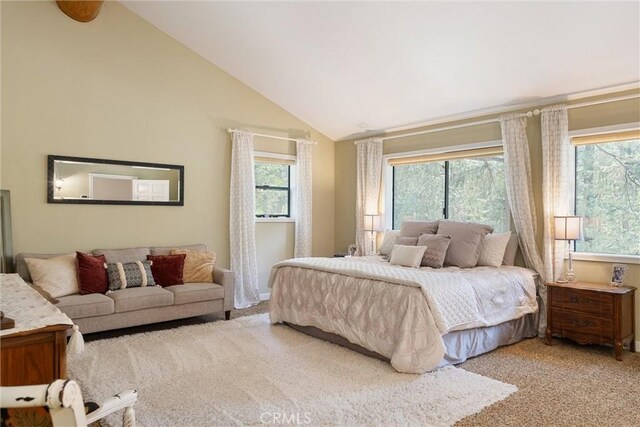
63, 400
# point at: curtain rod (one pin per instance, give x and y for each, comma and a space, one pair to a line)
528, 114
269, 136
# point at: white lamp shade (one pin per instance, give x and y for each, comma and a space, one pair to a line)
372, 223
568, 228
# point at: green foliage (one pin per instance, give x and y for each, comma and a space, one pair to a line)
272, 202
476, 191
608, 196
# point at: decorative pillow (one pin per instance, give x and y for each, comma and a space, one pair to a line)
388, 241
510, 252
57, 276
44, 293
492, 249
167, 269
464, 249
92, 276
406, 241
198, 266
416, 228
129, 275
437, 245
407, 256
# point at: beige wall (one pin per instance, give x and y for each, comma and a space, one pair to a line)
579, 118
119, 88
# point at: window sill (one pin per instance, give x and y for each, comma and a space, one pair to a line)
624, 259
276, 219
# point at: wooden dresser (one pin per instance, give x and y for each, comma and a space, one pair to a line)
591, 313
34, 350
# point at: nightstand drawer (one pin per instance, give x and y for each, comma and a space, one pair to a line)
582, 327
599, 304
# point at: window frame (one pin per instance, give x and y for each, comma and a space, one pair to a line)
591, 256
388, 179
291, 189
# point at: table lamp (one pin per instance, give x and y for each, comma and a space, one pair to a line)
372, 225
568, 228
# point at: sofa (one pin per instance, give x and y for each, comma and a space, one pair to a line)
142, 305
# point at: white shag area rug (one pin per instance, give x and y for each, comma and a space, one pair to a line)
248, 372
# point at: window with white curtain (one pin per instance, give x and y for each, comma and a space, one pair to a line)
607, 181
466, 185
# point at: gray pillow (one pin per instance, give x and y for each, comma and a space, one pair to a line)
416, 228
437, 245
510, 252
406, 241
464, 249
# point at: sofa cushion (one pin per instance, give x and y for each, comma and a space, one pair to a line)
194, 292
132, 299
123, 255
166, 250
80, 306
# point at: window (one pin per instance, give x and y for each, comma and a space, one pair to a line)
608, 192
273, 188
463, 186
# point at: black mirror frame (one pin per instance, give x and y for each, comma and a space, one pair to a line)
50, 182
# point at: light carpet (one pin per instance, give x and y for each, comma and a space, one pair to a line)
248, 372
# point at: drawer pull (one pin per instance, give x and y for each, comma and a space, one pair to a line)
581, 323
580, 300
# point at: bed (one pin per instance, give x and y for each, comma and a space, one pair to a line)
418, 319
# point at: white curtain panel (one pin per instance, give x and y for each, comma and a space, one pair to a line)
369, 174
517, 165
304, 193
557, 183
242, 227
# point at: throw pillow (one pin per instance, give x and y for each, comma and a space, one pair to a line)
407, 256
92, 276
198, 266
437, 245
388, 241
167, 269
511, 251
406, 241
492, 249
464, 249
129, 275
416, 228
57, 276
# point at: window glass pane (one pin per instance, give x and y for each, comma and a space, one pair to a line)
418, 192
272, 202
477, 191
608, 196
273, 174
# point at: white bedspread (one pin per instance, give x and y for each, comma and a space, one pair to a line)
400, 313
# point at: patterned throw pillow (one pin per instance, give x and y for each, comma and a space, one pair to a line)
437, 245
198, 266
130, 275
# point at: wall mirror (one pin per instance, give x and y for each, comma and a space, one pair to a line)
82, 180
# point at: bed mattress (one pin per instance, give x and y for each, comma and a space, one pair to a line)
399, 313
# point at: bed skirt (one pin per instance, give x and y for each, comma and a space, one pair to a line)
460, 345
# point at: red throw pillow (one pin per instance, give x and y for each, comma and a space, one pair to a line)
92, 276
167, 269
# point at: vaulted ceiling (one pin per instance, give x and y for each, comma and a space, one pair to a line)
345, 68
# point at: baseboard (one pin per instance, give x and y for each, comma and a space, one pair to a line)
266, 296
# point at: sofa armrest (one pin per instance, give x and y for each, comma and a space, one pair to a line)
224, 278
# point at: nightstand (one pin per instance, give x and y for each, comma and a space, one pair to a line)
591, 313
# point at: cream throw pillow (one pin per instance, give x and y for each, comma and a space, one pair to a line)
492, 249
407, 256
57, 276
388, 241
198, 266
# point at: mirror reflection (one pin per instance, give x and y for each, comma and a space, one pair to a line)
80, 180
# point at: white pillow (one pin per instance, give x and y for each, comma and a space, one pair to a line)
492, 249
407, 256
57, 275
388, 241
